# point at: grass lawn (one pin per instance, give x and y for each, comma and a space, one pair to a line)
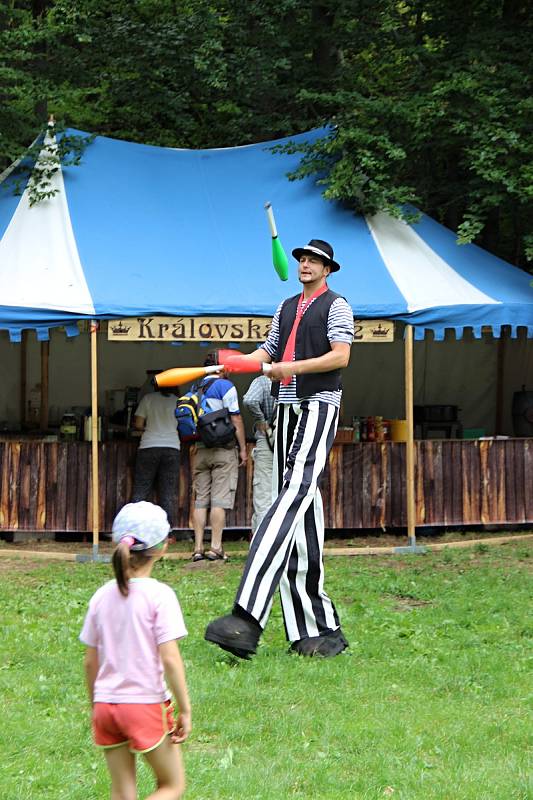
433, 700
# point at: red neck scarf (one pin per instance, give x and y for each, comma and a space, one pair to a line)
303, 305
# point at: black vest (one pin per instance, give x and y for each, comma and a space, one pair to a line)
311, 342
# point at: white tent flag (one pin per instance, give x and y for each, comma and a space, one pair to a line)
43, 270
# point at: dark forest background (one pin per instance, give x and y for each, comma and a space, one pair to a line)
429, 101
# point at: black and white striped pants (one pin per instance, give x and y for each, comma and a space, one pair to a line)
287, 548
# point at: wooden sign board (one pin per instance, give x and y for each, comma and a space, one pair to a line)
189, 329
373, 330
222, 329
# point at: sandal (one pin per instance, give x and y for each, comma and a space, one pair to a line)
216, 555
197, 556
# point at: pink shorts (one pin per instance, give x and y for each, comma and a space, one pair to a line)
142, 726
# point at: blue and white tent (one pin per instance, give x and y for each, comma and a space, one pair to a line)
139, 230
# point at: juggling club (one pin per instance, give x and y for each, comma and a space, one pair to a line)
181, 375
279, 257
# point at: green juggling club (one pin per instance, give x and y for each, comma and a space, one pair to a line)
279, 257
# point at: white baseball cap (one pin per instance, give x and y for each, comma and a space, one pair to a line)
145, 522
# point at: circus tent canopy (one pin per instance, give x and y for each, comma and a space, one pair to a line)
139, 230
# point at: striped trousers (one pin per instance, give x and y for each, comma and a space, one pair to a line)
287, 549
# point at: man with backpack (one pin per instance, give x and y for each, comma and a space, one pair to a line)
215, 463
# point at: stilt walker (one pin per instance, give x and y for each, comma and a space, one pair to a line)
308, 345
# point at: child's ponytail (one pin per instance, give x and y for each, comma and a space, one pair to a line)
140, 530
121, 565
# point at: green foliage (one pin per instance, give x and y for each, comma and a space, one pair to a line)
432, 107
42, 160
429, 100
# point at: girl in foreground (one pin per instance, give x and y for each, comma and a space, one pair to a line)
130, 632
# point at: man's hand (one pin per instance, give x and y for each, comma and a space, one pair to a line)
261, 426
284, 369
241, 438
337, 358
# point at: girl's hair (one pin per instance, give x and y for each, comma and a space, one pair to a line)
125, 561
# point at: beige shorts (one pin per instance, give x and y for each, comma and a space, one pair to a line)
215, 474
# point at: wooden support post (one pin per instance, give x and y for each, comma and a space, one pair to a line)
410, 444
500, 363
43, 417
94, 436
23, 379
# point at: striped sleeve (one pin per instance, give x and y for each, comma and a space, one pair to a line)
340, 322
271, 344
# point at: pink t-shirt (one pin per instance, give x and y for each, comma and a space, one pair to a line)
126, 632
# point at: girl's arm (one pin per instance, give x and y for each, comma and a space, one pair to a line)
175, 675
91, 669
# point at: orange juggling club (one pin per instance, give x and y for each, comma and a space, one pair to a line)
231, 362
181, 375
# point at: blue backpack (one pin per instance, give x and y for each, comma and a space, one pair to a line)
197, 423
188, 411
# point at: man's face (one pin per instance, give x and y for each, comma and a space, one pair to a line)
311, 268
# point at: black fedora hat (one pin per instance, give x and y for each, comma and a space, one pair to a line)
318, 247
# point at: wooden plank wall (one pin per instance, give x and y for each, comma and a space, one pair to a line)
46, 485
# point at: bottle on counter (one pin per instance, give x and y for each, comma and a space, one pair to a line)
356, 423
370, 429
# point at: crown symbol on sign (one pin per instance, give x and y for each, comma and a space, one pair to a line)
380, 330
120, 329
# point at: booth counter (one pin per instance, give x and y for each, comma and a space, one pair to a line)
46, 485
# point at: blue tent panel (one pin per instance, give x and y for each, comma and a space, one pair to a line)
139, 230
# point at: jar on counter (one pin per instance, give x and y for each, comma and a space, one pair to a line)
68, 430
